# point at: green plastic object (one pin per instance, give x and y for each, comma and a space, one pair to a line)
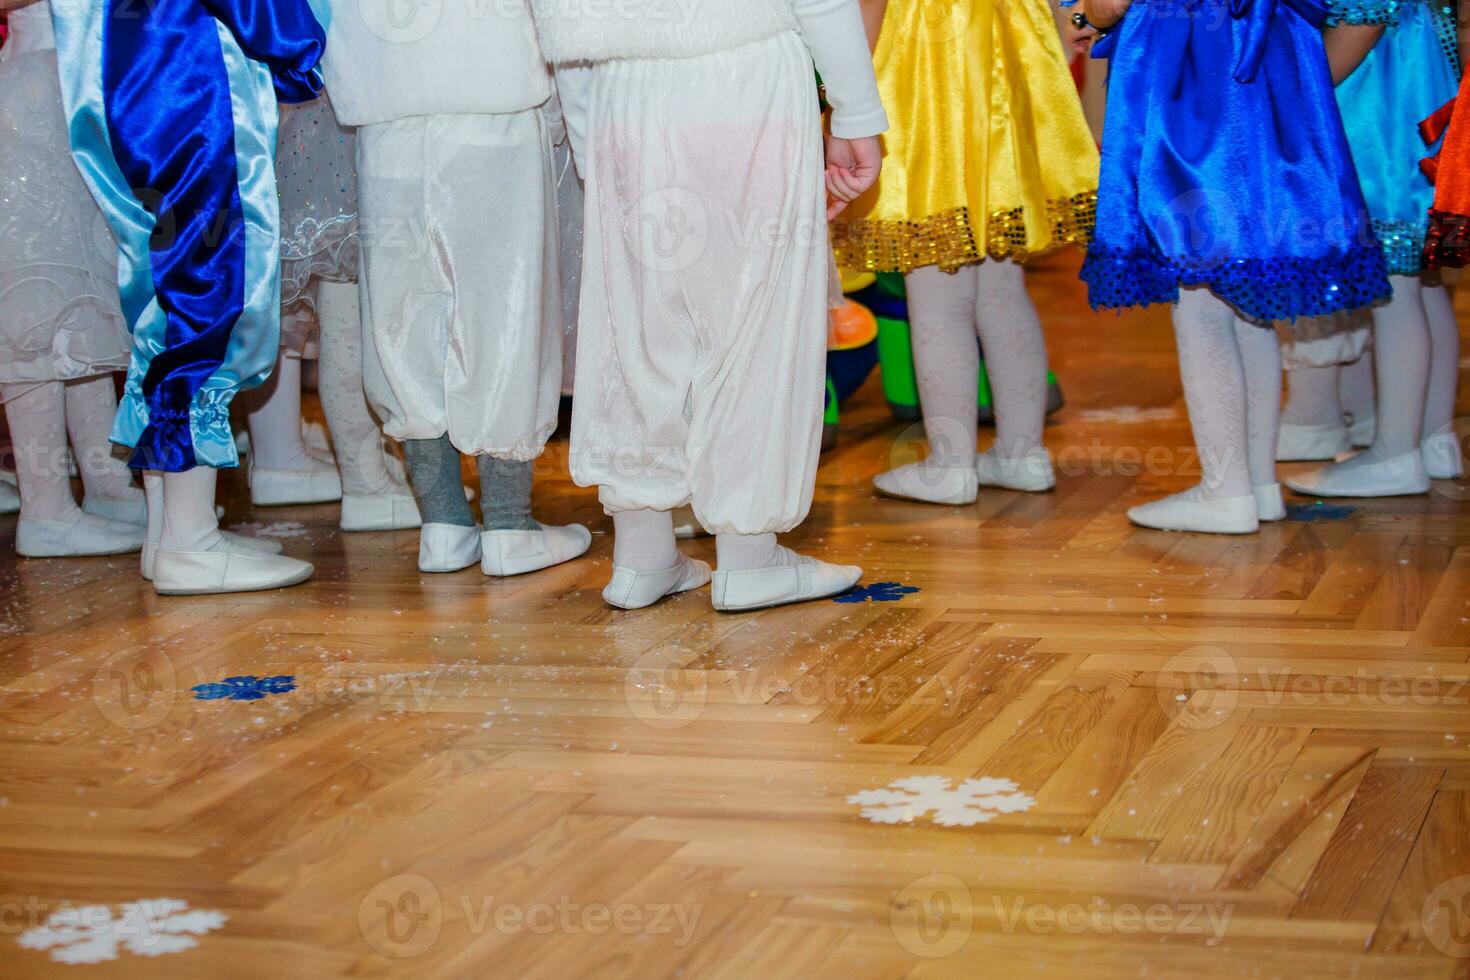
831, 418
901, 384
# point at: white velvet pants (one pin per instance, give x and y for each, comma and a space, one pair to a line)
702, 337
460, 281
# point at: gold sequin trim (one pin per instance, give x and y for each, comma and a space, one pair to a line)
948, 239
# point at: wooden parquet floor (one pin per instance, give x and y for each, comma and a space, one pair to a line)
1199, 756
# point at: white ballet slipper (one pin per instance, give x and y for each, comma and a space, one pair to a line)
1402, 476
801, 580
1270, 506
280, 488
232, 542
84, 535
223, 569
9, 496
686, 525
507, 553
1443, 459
929, 482
1031, 474
380, 512
448, 547
632, 589
128, 510
1189, 511
1362, 431
1301, 443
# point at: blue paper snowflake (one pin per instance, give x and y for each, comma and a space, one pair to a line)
1312, 513
878, 592
245, 688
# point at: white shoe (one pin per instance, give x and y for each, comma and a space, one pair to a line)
930, 483
223, 570
279, 488
448, 547
380, 512
1189, 512
129, 511
509, 553
686, 525
1361, 476
1031, 474
234, 542
800, 581
84, 535
1270, 507
9, 496
1442, 457
1299, 443
631, 589
1362, 431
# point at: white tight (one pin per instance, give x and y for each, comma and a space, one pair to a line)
1232, 382
947, 311
40, 416
357, 438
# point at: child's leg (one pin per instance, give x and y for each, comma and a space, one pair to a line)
1015, 359
1215, 389
373, 498
51, 524
1260, 355
1312, 423
947, 363
1442, 454
449, 538
505, 494
91, 405
1394, 464
1359, 396
282, 471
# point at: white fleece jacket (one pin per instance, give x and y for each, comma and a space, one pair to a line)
388, 60
577, 33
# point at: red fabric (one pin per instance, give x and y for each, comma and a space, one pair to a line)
1448, 242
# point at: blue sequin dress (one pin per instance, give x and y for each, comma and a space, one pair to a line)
1411, 72
1225, 164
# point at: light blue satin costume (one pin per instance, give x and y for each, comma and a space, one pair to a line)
172, 112
1411, 72
1225, 164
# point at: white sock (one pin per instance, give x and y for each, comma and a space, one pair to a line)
91, 408
946, 361
275, 420
1015, 357
362, 451
1260, 356
644, 540
1402, 352
36, 413
1312, 397
189, 523
1444, 372
1214, 378
1356, 388
742, 552
153, 490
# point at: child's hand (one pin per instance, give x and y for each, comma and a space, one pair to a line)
852, 169
1104, 14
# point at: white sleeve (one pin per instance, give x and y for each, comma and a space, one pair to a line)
834, 33
572, 85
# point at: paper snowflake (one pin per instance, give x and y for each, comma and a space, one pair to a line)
1313, 513
95, 933
878, 592
244, 688
972, 801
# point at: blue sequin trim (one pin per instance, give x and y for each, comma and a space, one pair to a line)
1403, 246
1365, 12
1263, 289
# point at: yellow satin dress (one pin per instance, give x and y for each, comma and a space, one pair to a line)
988, 154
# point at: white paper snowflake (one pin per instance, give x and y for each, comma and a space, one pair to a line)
971, 802
95, 933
